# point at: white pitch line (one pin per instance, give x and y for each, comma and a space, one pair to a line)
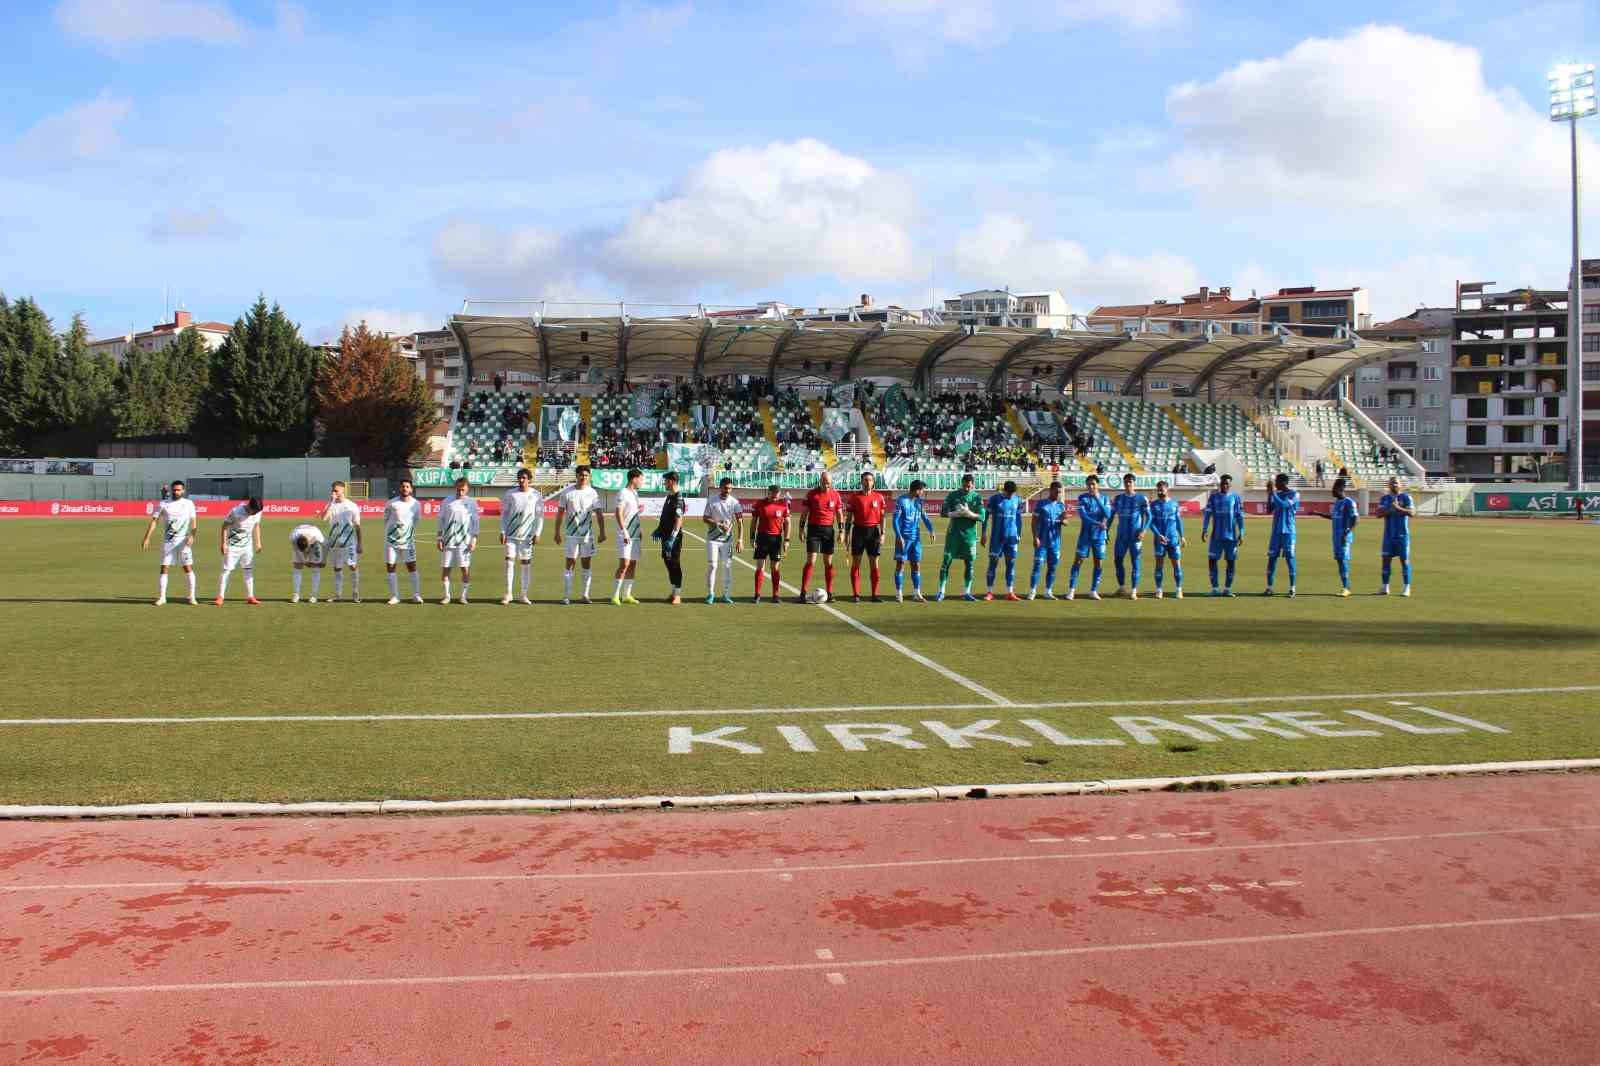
741, 871
916, 657
846, 708
830, 967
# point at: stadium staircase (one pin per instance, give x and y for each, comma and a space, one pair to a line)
1193, 438
1263, 423
1019, 429
814, 406
1225, 427
585, 414
874, 442
1130, 460
1348, 442
769, 428
530, 447
1102, 452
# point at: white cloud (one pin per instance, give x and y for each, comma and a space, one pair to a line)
84, 131
1003, 250
379, 320
1379, 119
750, 217
117, 23
494, 262
207, 225
988, 22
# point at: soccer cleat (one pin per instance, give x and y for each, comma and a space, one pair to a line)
355, 599
899, 597
462, 600
566, 601
988, 597
417, 598
252, 601
1215, 591
710, 600
1227, 594
616, 601
855, 599
1121, 591
1072, 594
1094, 595
295, 598
676, 599
756, 600
1033, 594
630, 601
1012, 597
1159, 594
525, 601
161, 601
505, 601
876, 598
393, 601
217, 601
938, 597
193, 602
919, 597
801, 598
775, 600
1344, 594
1406, 592
335, 598
1133, 594
1269, 591
444, 601
1291, 592
587, 600
1384, 591
1049, 595
727, 598
970, 598
1178, 595
313, 599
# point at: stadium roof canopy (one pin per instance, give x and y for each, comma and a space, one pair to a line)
917, 348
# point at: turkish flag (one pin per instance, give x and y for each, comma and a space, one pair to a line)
1499, 503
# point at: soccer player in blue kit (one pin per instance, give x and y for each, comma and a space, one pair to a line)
1094, 518
908, 521
1396, 508
1047, 520
1224, 522
1284, 503
1166, 528
1002, 531
1344, 517
1132, 512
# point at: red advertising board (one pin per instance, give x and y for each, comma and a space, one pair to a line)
209, 508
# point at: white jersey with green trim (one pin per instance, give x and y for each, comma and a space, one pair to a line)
629, 509
522, 514
312, 534
723, 512
239, 527
343, 518
458, 522
400, 519
579, 506
177, 519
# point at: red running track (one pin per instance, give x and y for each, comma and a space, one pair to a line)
1414, 922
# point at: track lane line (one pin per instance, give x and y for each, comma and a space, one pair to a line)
739, 871
830, 965
847, 708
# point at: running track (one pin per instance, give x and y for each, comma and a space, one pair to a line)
1403, 922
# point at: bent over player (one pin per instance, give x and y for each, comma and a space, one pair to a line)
307, 551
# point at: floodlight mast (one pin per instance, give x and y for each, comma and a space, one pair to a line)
1572, 97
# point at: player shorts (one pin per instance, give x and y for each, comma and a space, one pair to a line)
1341, 547
908, 551
1397, 547
177, 553
1007, 547
959, 547
866, 540
1129, 546
520, 550
719, 552
1280, 545
314, 554
1091, 545
393, 554
340, 558
578, 547
769, 546
1169, 550
819, 540
1222, 549
239, 558
629, 552
461, 557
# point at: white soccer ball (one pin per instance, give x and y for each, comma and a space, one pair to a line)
819, 596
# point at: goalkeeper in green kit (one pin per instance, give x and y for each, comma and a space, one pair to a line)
965, 511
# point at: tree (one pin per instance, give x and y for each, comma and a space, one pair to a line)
374, 407
158, 392
260, 399
80, 388
29, 350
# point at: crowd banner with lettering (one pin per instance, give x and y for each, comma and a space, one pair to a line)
844, 395
560, 423
1044, 426
835, 424
72, 467
964, 432
1534, 502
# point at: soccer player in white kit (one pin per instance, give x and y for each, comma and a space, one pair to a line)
629, 538
458, 537
521, 522
177, 517
240, 540
344, 541
401, 516
582, 524
722, 526
309, 550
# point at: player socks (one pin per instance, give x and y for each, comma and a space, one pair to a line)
827, 576
249, 583
855, 579
416, 584
1138, 570
968, 564
916, 582
805, 578
1072, 575
1050, 576
1099, 571
588, 580
1387, 568
338, 583
1405, 573
1272, 568
1177, 576
944, 575
1230, 573
527, 578
297, 582
394, 586
1033, 574
566, 584
1213, 566
875, 578
511, 566
190, 575
899, 581
161, 587
316, 582
447, 586
777, 581
617, 591
1344, 573
1288, 560
355, 583
1011, 573
759, 575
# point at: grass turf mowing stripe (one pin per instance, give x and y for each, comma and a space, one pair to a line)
1060, 705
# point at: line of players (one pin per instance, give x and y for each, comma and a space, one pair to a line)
995, 524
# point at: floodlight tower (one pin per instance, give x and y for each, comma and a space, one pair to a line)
1572, 97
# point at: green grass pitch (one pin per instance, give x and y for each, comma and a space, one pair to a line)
1498, 605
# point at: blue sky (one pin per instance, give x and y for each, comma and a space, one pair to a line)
386, 163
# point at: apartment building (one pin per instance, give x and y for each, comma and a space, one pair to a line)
439, 364
160, 336
1047, 309
1591, 369
1409, 395
1313, 312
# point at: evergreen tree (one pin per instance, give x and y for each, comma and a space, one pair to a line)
80, 389
158, 392
29, 350
260, 399
374, 407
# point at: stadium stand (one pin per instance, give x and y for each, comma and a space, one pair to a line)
799, 445
1155, 439
1225, 426
926, 436
1349, 443
1089, 436
490, 427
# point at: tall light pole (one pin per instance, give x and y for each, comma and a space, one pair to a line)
1572, 97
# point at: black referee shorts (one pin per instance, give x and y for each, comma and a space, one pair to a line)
866, 540
769, 546
819, 540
